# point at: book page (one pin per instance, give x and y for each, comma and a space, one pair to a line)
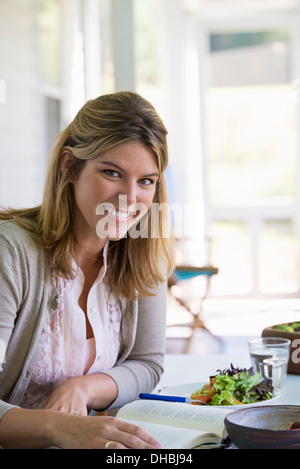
204, 418
176, 437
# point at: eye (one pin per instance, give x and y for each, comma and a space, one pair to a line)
147, 181
111, 173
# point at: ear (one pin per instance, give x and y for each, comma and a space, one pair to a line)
66, 161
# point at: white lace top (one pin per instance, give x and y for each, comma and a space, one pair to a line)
66, 352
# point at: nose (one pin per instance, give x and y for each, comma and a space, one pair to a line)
130, 191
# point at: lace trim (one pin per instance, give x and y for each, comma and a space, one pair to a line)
113, 306
50, 364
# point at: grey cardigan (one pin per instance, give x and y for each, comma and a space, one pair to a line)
28, 297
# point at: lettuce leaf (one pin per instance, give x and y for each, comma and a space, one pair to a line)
238, 386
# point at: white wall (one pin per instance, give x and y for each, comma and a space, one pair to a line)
21, 159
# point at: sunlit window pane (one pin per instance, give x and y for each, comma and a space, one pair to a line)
147, 50
251, 120
230, 251
279, 257
251, 145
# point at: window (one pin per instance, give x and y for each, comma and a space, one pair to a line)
252, 161
252, 144
231, 252
147, 51
278, 255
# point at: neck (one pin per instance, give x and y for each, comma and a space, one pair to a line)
87, 243
87, 254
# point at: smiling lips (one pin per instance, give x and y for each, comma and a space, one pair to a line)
117, 214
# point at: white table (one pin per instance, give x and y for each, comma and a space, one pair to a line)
189, 368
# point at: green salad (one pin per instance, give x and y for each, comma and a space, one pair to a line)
235, 386
290, 327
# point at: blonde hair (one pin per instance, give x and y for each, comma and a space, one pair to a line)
136, 266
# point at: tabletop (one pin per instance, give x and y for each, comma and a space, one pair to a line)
191, 368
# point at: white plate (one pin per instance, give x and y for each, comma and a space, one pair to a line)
185, 390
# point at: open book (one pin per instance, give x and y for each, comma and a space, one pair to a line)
176, 425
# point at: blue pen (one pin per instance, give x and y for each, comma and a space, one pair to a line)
161, 397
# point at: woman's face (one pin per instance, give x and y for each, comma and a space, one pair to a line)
114, 190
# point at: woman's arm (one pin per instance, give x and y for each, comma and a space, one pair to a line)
143, 365
34, 429
82, 393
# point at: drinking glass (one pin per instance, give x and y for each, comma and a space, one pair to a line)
269, 356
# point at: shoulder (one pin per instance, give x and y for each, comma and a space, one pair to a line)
22, 258
15, 235
18, 244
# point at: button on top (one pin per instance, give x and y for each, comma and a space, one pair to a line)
94, 310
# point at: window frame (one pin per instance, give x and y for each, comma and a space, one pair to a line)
255, 215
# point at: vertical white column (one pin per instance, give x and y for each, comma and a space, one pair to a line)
180, 75
73, 60
123, 44
92, 48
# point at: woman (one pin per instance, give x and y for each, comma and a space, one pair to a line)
83, 283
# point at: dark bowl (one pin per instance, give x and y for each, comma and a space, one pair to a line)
294, 359
264, 427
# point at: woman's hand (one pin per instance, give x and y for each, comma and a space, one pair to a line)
77, 395
70, 396
95, 432
24, 428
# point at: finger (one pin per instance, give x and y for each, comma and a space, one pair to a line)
135, 437
114, 445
